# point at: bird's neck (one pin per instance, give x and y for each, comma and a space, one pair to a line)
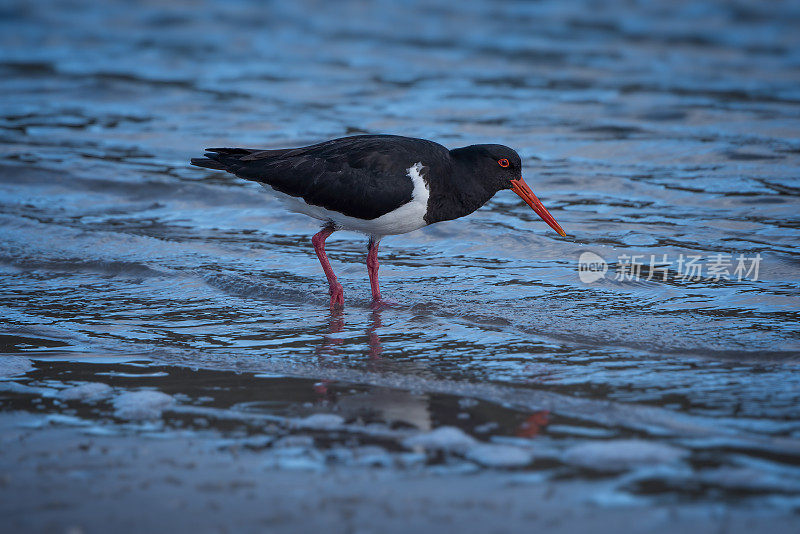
457, 193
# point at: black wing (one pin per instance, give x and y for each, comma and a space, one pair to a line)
363, 176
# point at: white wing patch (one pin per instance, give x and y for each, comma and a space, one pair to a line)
406, 218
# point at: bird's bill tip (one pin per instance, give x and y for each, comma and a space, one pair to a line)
524, 191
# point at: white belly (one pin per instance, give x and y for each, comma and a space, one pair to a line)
406, 218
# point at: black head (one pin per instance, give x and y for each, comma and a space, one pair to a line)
494, 165
497, 167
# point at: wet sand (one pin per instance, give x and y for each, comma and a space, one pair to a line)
96, 484
87, 449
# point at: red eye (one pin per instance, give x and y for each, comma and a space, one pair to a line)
502, 162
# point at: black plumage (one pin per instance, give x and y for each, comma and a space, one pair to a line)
363, 176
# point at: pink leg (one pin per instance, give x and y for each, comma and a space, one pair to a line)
372, 267
337, 295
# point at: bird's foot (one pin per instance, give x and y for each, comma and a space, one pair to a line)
382, 303
337, 296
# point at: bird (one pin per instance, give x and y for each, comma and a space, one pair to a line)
378, 185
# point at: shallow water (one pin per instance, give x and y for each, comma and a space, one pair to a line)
647, 130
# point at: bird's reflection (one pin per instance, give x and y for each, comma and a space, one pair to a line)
396, 406
332, 342
534, 424
374, 341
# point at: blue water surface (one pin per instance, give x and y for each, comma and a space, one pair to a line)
660, 131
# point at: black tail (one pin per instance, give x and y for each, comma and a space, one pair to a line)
215, 157
208, 163
247, 163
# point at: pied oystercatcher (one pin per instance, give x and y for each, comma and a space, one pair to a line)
378, 185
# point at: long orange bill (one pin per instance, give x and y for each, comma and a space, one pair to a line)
522, 189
